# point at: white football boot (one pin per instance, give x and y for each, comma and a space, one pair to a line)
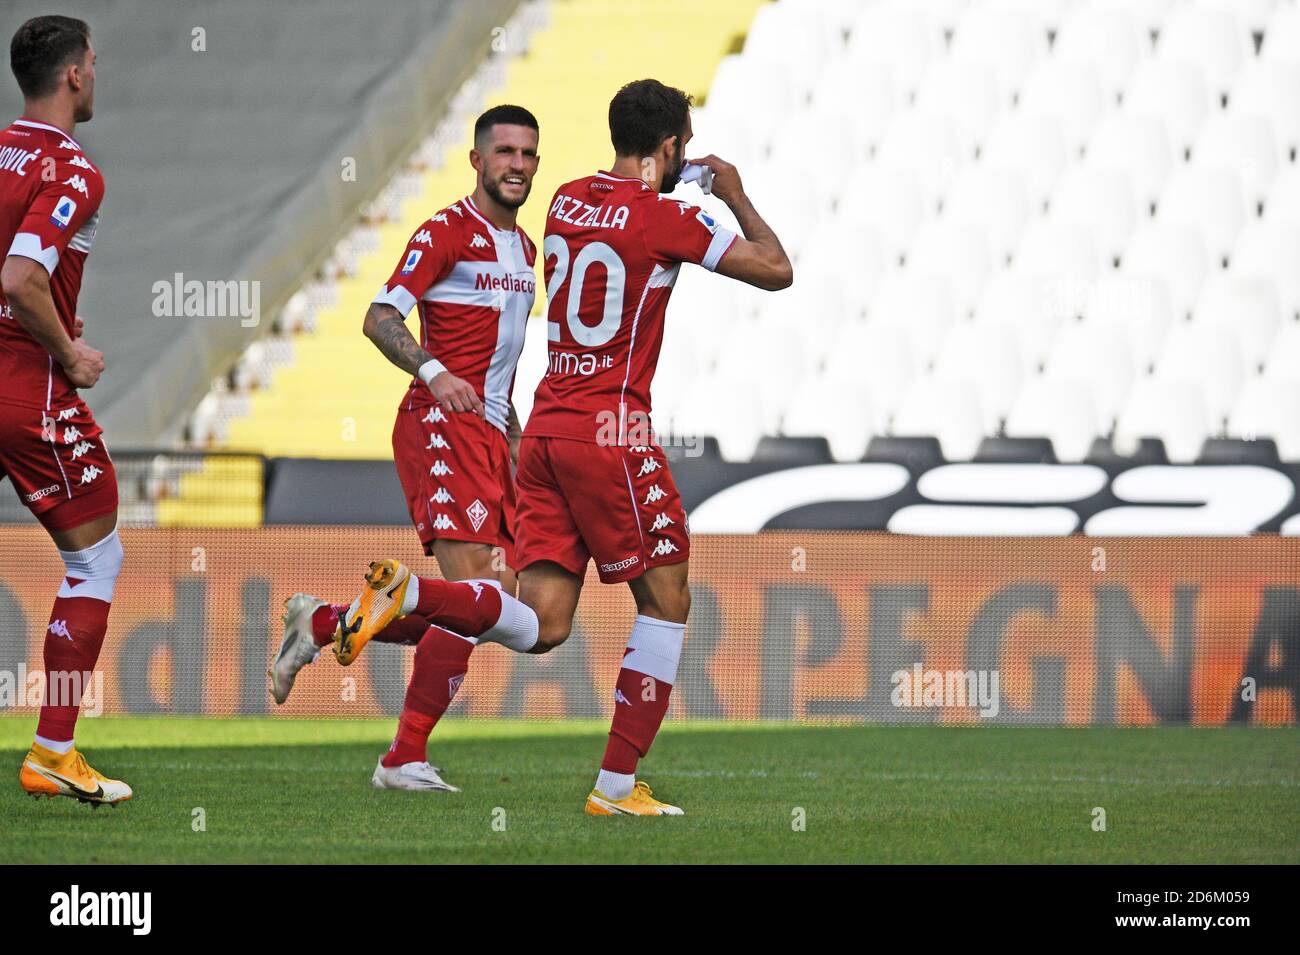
419, 776
297, 648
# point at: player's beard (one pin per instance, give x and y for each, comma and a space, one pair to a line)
674, 175
493, 189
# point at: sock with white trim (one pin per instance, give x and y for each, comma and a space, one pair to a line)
641, 694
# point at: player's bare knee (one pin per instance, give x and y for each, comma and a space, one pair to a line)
551, 633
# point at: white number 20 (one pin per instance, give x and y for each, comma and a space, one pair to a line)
589, 336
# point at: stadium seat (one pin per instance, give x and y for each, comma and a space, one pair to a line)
888, 200
1207, 199
1176, 255
1244, 143
1271, 248
955, 251
1004, 450
1064, 255
1136, 144
1269, 408
1173, 411
717, 409
948, 410
1146, 451
994, 199
1100, 200
1099, 355
965, 94
926, 145
1033, 147
1108, 39
1283, 361
879, 358
1007, 42
1262, 451
1282, 36
899, 37
921, 304
1209, 356
1135, 305
1061, 409
837, 407
916, 454
1214, 38
1283, 201
848, 254
1176, 92
1272, 88
1249, 306
792, 451
858, 96
1068, 92
1027, 304
987, 357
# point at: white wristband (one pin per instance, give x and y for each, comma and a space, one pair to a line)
430, 370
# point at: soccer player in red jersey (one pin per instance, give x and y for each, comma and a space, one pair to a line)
592, 483
469, 271
50, 446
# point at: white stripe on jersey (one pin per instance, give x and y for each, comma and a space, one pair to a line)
722, 239
510, 330
28, 245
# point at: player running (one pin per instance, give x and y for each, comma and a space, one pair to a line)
469, 268
50, 446
592, 482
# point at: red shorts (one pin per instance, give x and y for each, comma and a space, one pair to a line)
455, 470
617, 505
58, 463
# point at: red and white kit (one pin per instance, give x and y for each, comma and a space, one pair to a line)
50, 446
474, 285
592, 482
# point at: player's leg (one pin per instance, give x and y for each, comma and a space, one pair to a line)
552, 592
441, 664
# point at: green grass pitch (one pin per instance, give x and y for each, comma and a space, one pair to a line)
299, 791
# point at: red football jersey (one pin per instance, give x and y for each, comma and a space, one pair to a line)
474, 284
49, 209
613, 250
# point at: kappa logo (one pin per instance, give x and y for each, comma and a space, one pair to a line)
441, 217
423, 237
434, 416
63, 212
444, 523
455, 207
620, 698
71, 435
648, 466
663, 547
60, 629
80, 162
67, 413
477, 514
442, 496
412, 259
77, 183
68, 144
453, 684
683, 207
89, 474
656, 493
43, 492
440, 469
662, 521
437, 441
80, 448
478, 242
641, 449
477, 587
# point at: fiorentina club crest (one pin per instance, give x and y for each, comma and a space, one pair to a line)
477, 514
453, 684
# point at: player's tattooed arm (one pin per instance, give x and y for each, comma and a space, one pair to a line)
385, 327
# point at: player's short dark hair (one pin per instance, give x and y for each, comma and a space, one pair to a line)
42, 47
645, 113
505, 114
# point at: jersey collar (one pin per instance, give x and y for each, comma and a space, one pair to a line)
608, 175
46, 126
469, 204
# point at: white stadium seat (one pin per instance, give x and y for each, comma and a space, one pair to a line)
993, 198
838, 409
1058, 408
1028, 304
1249, 306
1174, 91
1271, 88
1282, 35
920, 304
1176, 254
1100, 356
926, 145
1136, 144
965, 95
1214, 38
1208, 199
851, 255
948, 410
1269, 408
987, 357
1271, 248
719, 409
888, 200
1099, 199
897, 36
1137, 306
1283, 201
1283, 362
955, 251
858, 96
1109, 39
1244, 143
1063, 254
1007, 42
1173, 411
880, 358
1032, 146
1069, 92
1209, 356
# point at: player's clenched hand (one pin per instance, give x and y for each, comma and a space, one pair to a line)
87, 365
726, 180
456, 393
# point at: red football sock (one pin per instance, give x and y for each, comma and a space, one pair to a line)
640, 703
468, 608
72, 643
441, 661
324, 621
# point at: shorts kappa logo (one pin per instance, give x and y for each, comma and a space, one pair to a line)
60, 629
648, 466
620, 698
662, 521
663, 548
453, 684
477, 514
656, 493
